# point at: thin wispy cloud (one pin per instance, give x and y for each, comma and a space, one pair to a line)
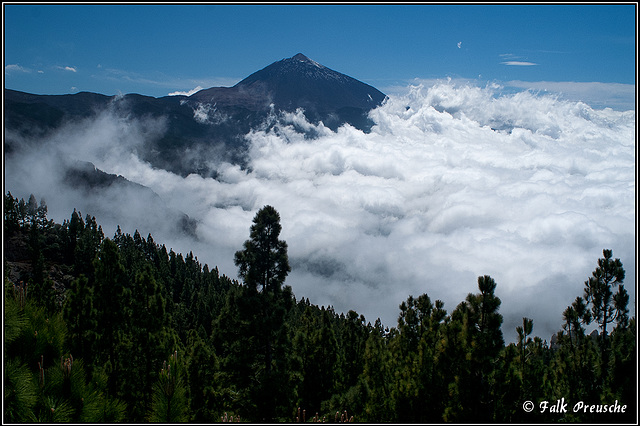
513, 60
519, 63
160, 80
15, 68
67, 68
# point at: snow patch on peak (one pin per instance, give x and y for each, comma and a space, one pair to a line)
302, 58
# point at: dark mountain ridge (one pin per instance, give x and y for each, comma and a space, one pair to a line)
211, 122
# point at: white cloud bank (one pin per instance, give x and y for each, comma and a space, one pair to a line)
453, 182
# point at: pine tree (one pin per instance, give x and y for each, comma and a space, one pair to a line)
477, 329
606, 306
75, 227
377, 377
203, 378
264, 261
598, 293
81, 318
169, 402
264, 265
524, 341
11, 215
147, 341
113, 306
316, 345
419, 326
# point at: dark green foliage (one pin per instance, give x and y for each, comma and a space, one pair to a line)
203, 375
419, 327
607, 306
169, 402
11, 222
87, 244
264, 261
20, 392
315, 345
20, 388
93, 348
476, 342
51, 386
252, 334
622, 380
377, 378
81, 318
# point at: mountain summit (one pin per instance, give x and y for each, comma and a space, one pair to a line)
299, 82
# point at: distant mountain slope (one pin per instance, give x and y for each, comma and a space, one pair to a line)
35, 115
211, 122
96, 185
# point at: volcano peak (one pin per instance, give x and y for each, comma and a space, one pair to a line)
302, 58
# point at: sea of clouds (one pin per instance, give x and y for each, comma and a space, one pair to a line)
453, 182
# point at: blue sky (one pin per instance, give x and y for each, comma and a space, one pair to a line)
159, 49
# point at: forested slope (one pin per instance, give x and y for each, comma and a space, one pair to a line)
101, 329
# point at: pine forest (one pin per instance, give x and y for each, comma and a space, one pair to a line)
106, 329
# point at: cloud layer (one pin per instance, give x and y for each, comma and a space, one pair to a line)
453, 182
